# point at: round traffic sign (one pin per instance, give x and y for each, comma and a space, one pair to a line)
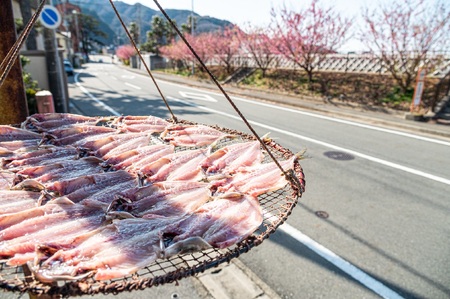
50, 17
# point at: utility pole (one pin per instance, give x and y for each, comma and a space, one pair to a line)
13, 101
54, 71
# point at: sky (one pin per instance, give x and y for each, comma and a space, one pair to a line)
257, 12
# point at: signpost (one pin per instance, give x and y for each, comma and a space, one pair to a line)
50, 17
418, 91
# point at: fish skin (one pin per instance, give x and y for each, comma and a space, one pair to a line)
71, 130
118, 140
64, 169
234, 156
46, 121
79, 188
40, 157
79, 134
119, 249
18, 146
142, 199
168, 199
149, 125
221, 222
6, 180
145, 155
259, 179
62, 225
167, 165
8, 133
16, 201
192, 135
7, 220
107, 195
128, 145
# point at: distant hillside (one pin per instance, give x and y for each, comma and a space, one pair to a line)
140, 14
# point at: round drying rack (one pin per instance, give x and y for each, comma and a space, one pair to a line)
276, 207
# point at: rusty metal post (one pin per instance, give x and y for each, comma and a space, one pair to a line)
13, 101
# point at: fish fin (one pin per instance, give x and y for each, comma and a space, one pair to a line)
63, 200
265, 138
301, 155
189, 245
29, 184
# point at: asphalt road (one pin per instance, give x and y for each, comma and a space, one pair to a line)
386, 192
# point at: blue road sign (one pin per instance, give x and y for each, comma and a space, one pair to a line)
50, 17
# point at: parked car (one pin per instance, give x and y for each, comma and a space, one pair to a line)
68, 68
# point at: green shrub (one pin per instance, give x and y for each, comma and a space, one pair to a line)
396, 96
31, 86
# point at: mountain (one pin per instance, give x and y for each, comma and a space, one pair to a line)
142, 15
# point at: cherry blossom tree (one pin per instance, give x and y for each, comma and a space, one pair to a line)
306, 36
177, 52
180, 52
404, 33
225, 47
124, 53
258, 44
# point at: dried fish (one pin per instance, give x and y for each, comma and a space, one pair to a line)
192, 135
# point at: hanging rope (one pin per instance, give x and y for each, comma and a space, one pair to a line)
13, 53
289, 175
174, 119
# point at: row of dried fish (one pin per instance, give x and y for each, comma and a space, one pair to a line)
107, 196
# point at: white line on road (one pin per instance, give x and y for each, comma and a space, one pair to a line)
198, 96
326, 144
348, 122
340, 263
100, 103
134, 86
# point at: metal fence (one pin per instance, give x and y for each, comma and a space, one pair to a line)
346, 63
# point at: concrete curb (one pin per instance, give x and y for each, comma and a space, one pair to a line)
235, 281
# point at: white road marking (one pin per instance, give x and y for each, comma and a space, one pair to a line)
359, 275
100, 103
198, 96
134, 86
326, 144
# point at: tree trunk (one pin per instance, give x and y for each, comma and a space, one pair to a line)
310, 79
13, 102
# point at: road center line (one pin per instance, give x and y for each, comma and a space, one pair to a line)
100, 103
326, 144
